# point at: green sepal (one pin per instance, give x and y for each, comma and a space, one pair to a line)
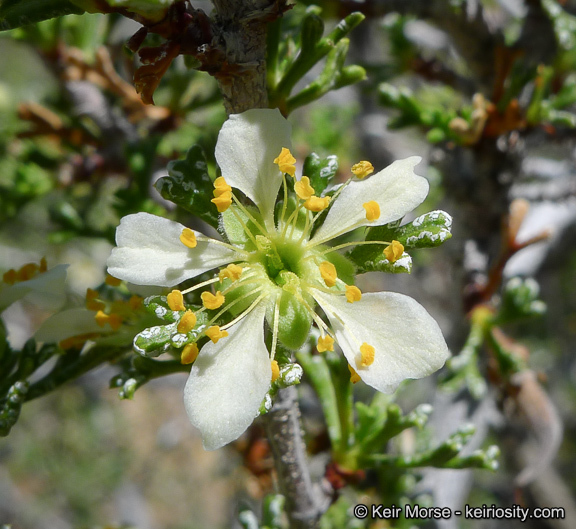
320, 171
273, 511
234, 222
295, 321
189, 185
17, 13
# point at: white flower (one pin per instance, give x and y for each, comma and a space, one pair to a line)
277, 272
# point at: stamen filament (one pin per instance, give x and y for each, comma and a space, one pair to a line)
229, 306
347, 244
225, 244
245, 313
200, 285
244, 226
275, 328
247, 213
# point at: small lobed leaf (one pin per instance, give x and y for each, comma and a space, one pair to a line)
17, 13
189, 185
321, 171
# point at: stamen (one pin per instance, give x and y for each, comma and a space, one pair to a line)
135, 302
354, 377
367, 352
223, 201
232, 272
215, 333
328, 273
353, 294
362, 169
344, 245
200, 285
286, 161
92, 302
372, 210
275, 370
303, 188
187, 322
275, 328
114, 320
325, 343
247, 213
246, 312
189, 353
112, 281
317, 204
10, 277
212, 301
394, 251
188, 238
221, 187
175, 300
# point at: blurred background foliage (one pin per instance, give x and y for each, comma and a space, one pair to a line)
484, 90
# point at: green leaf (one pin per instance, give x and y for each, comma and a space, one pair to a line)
189, 186
321, 171
17, 13
427, 231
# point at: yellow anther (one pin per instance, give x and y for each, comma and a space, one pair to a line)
325, 343
286, 161
10, 277
275, 370
317, 204
189, 353
221, 187
303, 188
362, 169
328, 273
353, 294
77, 341
212, 301
114, 320
372, 210
367, 352
232, 271
135, 302
28, 271
394, 251
354, 377
188, 238
175, 300
223, 201
92, 302
187, 322
214, 333
112, 281
101, 318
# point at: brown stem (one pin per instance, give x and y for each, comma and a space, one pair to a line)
304, 504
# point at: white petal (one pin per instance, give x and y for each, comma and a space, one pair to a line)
247, 145
408, 342
47, 290
149, 252
396, 189
68, 323
228, 382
